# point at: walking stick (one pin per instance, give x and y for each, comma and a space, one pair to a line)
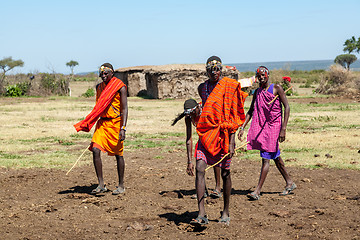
287, 79
278, 95
77, 160
224, 157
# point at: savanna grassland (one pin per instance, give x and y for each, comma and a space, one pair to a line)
39, 201
39, 132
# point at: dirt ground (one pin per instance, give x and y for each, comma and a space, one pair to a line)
157, 204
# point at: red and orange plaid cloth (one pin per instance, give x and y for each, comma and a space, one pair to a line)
222, 114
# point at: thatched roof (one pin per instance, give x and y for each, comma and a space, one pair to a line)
164, 68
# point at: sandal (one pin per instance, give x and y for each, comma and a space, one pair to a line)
288, 190
118, 191
98, 190
199, 221
215, 194
194, 196
225, 221
253, 196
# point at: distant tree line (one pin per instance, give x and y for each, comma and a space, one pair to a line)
350, 45
48, 83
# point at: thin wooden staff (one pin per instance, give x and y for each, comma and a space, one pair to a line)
278, 95
77, 160
225, 157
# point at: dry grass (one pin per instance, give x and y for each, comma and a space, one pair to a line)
336, 149
340, 81
39, 132
79, 88
154, 116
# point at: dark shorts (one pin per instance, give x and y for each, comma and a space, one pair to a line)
270, 155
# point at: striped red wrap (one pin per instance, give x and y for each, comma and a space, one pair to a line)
222, 115
101, 105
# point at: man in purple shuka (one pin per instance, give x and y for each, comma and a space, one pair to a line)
267, 128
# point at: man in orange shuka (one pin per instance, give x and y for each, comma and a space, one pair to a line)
110, 112
222, 114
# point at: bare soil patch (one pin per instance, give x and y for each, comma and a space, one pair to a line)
47, 204
157, 204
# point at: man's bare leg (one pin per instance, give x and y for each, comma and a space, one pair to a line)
121, 170
225, 174
217, 173
98, 166
263, 173
281, 167
200, 186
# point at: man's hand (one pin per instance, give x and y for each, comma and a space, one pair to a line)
231, 150
282, 135
240, 134
190, 169
122, 135
231, 145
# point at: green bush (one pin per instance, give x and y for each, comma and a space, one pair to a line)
24, 86
48, 81
55, 84
14, 91
17, 90
89, 93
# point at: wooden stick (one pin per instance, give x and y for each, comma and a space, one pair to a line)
278, 95
224, 157
77, 160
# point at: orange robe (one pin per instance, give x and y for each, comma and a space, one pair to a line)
103, 101
221, 115
106, 135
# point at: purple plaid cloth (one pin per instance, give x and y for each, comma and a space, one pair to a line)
202, 154
266, 122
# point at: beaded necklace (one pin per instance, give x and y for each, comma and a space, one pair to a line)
207, 89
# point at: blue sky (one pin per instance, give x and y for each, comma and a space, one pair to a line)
47, 34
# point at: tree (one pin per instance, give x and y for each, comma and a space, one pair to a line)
71, 65
6, 64
345, 60
358, 45
350, 45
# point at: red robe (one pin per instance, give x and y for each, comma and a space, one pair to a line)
222, 115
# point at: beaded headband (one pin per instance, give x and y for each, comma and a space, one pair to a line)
103, 68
